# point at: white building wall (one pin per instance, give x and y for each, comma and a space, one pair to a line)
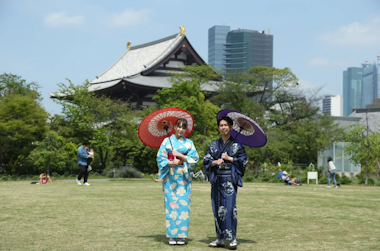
333, 105
337, 106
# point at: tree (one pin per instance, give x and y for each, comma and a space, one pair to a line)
103, 121
13, 84
290, 117
186, 93
53, 153
363, 146
22, 124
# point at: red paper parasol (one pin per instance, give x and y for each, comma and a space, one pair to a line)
152, 129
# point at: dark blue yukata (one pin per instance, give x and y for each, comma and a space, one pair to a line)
225, 180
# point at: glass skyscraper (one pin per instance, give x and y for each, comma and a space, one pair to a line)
370, 84
239, 49
216, 39
247, 48
352, 89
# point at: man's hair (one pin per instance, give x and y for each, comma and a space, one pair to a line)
228, 119
86, 143
181, 122
329, 159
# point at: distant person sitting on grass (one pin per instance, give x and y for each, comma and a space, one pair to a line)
44, 178
280, 173
288, 181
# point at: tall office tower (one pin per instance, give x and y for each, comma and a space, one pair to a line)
247, 48
216, 39
352, 89
370, 82
333, 105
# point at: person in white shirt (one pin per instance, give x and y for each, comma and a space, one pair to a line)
286, 178
331, 169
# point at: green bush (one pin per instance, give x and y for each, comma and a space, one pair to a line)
345, 180
359, 176
323, 180
303, 180
275, 179
125, 172
130, 172
371, 182
248, 179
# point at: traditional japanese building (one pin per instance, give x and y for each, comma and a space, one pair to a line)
146, 68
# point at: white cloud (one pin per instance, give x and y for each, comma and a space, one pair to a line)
321, 62
355, 34
61, 18
130, 17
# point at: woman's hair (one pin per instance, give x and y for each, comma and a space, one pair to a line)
228, 119
181, 123
329, 159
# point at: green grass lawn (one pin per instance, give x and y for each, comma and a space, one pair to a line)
129, 215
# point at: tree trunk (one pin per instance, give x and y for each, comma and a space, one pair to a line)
366, 164
103, 159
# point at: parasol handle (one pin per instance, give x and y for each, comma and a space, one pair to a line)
166, 129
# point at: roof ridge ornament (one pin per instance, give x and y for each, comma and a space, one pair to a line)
183, 30
129, 45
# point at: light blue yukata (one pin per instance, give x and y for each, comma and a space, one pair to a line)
176, 185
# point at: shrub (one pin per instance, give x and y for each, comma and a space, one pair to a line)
371, 182
345, 180
248, 179
130, 172
323, 180
125, 172
359, 176
275, 179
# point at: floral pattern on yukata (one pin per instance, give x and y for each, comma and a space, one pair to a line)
177, 185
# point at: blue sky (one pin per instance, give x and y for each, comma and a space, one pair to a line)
47, 41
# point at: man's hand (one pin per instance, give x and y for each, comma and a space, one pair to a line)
217, 162
226, 157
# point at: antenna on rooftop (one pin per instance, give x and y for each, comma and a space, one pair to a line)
367, 62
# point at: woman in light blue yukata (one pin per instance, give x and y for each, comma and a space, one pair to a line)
176, 185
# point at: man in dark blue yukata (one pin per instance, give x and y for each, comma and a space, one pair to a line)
225, 161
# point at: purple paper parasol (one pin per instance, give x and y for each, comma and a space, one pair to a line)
250, 134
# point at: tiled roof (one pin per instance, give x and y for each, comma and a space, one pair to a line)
163, 82
139, 58
136, 60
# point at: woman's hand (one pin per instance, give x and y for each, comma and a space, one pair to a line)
173, 163
177, 154
226, 157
